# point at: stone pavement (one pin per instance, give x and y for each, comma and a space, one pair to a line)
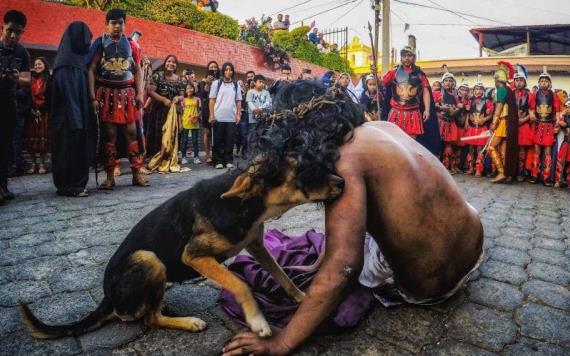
54, 251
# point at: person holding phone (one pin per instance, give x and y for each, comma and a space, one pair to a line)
204, 86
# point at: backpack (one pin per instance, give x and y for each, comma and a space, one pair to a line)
220, 81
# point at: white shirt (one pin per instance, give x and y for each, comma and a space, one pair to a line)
225, 108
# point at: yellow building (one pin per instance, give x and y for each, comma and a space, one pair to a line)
359, 56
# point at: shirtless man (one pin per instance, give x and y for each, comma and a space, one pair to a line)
400, 194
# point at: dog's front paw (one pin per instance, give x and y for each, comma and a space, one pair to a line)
259, 325
195, 324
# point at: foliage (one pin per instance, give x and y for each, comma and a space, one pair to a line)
296, 41
276, 44
173, 12
254, 34
307, 51
336, 62
275, 56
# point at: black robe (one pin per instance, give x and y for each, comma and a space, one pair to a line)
72, 128
512, 153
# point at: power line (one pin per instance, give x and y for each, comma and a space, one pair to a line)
325, 11
446, 10
454, 12
437, 24
346, 13
398, 16
326, 3
291, 7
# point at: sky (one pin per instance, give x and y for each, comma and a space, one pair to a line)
440, 34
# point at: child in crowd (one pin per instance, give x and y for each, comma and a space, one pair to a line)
257, 100
190, 123
369, 99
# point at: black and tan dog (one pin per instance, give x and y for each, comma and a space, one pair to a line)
189, 234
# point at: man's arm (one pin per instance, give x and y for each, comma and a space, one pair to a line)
139, 86
427, 104
211, 105
91, 83
345, 230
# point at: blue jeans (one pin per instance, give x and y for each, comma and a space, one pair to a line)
244, 132
195, 140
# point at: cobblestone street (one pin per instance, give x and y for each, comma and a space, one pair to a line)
54, 251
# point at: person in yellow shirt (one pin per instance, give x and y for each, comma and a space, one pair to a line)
190, 123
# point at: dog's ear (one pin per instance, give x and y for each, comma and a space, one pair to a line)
244, 187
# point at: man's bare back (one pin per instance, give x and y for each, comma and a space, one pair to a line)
427, 232
394, 189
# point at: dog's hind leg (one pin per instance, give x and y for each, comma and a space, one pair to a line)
188, 323
210, 268
260, 253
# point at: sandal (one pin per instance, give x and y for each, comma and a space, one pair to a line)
42, 169
32, 169
107, 185
82, 194
145, 171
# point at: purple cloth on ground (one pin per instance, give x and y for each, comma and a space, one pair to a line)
291, 253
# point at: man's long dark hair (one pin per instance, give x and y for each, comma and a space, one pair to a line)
307, 123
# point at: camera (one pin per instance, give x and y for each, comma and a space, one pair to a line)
9, 64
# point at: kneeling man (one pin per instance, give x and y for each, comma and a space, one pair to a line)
427, 238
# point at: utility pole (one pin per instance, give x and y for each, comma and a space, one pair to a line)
376, 8
385, 36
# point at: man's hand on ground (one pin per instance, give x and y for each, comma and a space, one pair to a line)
251, 344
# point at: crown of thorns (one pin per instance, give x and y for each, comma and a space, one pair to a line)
302, 109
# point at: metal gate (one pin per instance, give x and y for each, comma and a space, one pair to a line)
338, 36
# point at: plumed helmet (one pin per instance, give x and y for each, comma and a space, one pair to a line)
407, 49
447, 74
479, 83
545, 74
505, 72
521, 73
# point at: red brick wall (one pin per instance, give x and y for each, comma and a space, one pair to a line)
47, 22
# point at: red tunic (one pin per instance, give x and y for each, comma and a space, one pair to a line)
118, 105
36, 132
526, 131
543, 134
479, 129
408, 118
447, 129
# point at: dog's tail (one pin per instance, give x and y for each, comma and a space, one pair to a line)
40, 330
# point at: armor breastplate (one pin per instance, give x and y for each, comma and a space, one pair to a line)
522, 102
407, 87
447, 99
545, 106
478, 110
117, 65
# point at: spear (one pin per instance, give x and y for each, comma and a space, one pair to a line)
375, 66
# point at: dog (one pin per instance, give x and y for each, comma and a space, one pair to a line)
188, 235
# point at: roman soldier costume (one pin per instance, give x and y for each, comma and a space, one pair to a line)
116, 93
563, 161
446, 105
546, 106
406, 85
480, 111
526, 132
504, 155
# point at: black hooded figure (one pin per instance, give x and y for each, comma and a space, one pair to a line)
72, 148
